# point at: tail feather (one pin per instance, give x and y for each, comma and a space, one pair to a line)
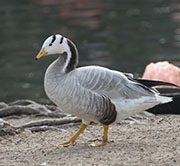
163, 99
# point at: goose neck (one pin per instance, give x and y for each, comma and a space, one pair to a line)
70, 57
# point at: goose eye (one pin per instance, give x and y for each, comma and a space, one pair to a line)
50, 44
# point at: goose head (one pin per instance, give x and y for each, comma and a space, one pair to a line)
55, 44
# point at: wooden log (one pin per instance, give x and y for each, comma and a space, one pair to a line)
21, 102
17, 110
49, 122
3, 105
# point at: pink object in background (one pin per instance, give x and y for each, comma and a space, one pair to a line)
162, 71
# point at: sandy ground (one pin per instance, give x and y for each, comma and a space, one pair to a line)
155, 141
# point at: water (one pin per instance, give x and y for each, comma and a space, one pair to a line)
123, 35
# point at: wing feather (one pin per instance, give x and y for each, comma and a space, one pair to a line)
110, 83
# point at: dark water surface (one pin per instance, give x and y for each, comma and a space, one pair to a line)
124, 35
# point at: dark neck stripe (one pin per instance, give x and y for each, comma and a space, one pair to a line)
53, 39
61, 40
74, 57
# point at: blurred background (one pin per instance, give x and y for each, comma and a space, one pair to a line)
124, 35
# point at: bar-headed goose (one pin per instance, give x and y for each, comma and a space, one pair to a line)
94, 93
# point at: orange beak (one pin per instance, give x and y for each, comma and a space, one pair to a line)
41, 54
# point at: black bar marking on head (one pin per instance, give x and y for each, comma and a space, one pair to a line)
53, 39
61, 40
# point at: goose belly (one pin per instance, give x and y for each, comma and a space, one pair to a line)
76, 106
71, 101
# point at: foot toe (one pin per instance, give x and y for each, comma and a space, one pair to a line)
100, 144
65, 144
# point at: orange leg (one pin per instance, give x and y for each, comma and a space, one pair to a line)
73, 139
105, 137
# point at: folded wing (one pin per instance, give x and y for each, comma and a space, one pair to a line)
111, 83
